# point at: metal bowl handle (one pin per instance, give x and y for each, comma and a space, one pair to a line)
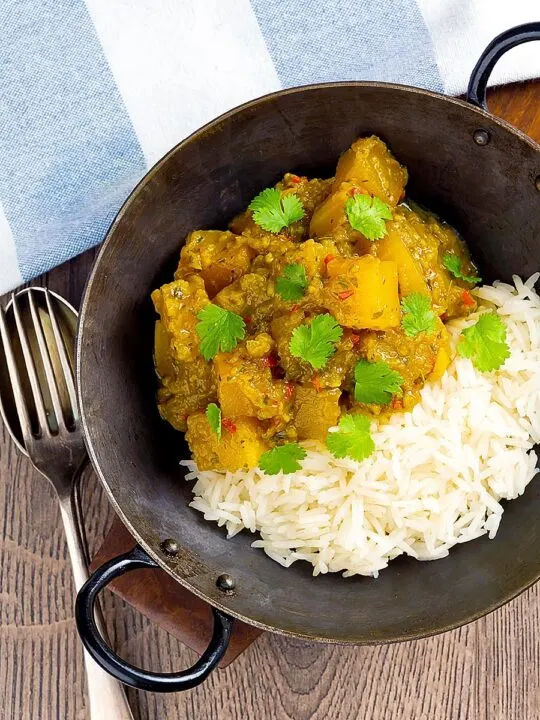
124, 671
476, 92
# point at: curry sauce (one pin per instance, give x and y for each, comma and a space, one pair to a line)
267, 392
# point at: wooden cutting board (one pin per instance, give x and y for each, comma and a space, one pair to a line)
157, 596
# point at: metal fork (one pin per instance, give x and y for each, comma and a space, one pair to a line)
53, 439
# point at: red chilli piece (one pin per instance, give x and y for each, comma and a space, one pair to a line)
355, 338
270, 361
317, 383
355, 191
289, 390
467, 299
397, 404
345, 294
296, 179
248, 320
295, 308
229, 425
328, 259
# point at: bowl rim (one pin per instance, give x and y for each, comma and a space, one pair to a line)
163, 562
268, 97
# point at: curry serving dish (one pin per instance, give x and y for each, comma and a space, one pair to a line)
474, 170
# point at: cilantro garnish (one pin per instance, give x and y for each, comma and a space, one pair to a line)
485, 343
283, 458
453, 264
219, 329
367, 215
352, 438
273, 212
292, 283
314, 343
376, 382
418, 315
213, 413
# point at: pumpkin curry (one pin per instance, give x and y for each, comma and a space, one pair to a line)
325, 297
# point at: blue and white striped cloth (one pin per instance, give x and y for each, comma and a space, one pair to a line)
94, 92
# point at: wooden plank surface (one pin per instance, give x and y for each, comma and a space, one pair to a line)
489, 670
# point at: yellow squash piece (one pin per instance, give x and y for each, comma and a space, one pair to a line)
362, 293
162, 351
281, 329
178, 304
443, 357
219, 256
418, 242
370, 166
187, 380
311, 254
315, 412
247, 292
246, 387
331, 213
240, 446
410, 275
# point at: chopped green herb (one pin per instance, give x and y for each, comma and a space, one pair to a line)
219, 329
283, 458
418, 315
485, 343
273, 212
292, 283
315, 343
453, 264
352, 438
376, 382
213, 413
367, 215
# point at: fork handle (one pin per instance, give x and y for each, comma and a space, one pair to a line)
107, 698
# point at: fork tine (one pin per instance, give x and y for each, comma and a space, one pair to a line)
47, 365
30, 368
15, 380
64, 360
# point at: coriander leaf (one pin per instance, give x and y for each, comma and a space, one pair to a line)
293, 208
292, 283
283, 458
418, 315
314, 343
213, 413
273, 212
376, 382
485, 343
367, 215
219, 329
453, 264
352, 438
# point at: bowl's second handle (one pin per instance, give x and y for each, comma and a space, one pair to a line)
476, 92
124, 671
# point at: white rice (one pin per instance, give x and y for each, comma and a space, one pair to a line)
435, 479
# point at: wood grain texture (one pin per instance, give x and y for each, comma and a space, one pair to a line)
488, 670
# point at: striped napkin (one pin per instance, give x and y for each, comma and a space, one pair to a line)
94, 92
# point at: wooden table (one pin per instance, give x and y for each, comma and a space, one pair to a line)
489, 670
